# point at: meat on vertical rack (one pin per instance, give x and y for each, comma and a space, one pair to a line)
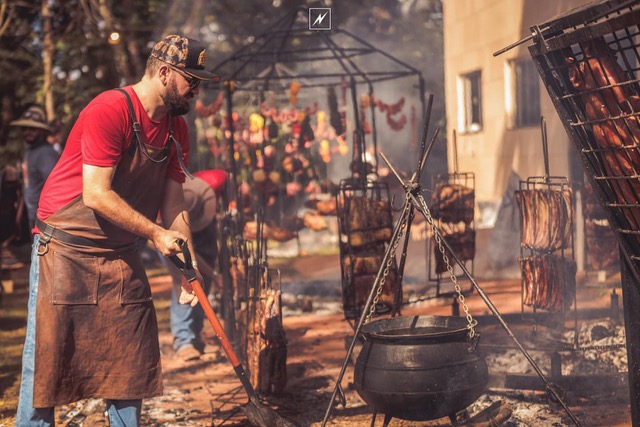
546, 218
549, 281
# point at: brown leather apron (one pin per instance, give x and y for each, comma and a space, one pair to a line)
97, 334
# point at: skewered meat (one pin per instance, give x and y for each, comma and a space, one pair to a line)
463, 244
359, 239
453, 203
363, 264
280, 234
548, 282
547, 216
363, 213
250, 231
356, 296
612, 109
602, 245
324, 207
238, 277
267, 344
314, 221
365, 231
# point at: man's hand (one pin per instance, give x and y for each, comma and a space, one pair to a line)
166, 241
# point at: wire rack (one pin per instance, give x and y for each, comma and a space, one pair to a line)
589, 61
591, 73
365, 227
453, 206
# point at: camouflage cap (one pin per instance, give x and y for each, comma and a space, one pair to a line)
184, 53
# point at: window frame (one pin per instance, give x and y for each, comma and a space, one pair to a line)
523, 84
470, 117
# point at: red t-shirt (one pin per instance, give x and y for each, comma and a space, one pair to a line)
101, 134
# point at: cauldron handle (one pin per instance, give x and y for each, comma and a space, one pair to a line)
474, 341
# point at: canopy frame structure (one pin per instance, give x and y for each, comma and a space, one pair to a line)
318, 58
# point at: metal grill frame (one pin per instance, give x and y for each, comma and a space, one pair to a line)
618, 22
549, 56
347, 190
546, 183
468, 180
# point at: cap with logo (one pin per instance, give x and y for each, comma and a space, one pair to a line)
184, 53
34, 117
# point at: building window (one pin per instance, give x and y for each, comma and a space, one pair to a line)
470, 102
523, 93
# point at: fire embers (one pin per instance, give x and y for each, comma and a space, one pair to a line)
548, 281
546, 218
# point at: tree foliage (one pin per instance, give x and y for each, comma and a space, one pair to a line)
84, 63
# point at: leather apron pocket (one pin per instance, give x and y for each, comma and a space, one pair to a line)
75, 279
134, 287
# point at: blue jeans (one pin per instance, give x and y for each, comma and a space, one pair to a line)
122, 413
186, 321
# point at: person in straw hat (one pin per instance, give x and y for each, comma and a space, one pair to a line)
91, 325
39, 159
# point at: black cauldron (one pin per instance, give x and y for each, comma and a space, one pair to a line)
419, 368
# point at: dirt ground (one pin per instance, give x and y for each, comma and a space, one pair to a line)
207, 393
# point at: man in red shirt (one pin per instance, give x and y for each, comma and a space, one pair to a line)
91, 329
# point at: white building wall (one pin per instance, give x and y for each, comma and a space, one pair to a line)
473, 31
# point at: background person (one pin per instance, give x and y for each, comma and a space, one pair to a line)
39, 159
200, 197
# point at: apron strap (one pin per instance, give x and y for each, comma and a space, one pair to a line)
136, 124
48, 232
137, 129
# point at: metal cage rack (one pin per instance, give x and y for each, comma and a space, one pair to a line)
365, 226
547, 248
589, 62
453, 204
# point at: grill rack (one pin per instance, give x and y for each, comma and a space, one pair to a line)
623, 38
570, 53
465, 180
365, 243
562, 250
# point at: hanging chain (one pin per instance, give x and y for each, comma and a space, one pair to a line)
471, 322
387, 267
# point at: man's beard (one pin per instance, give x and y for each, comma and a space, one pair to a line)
177, 105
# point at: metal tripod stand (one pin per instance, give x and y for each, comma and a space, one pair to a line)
415, 200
